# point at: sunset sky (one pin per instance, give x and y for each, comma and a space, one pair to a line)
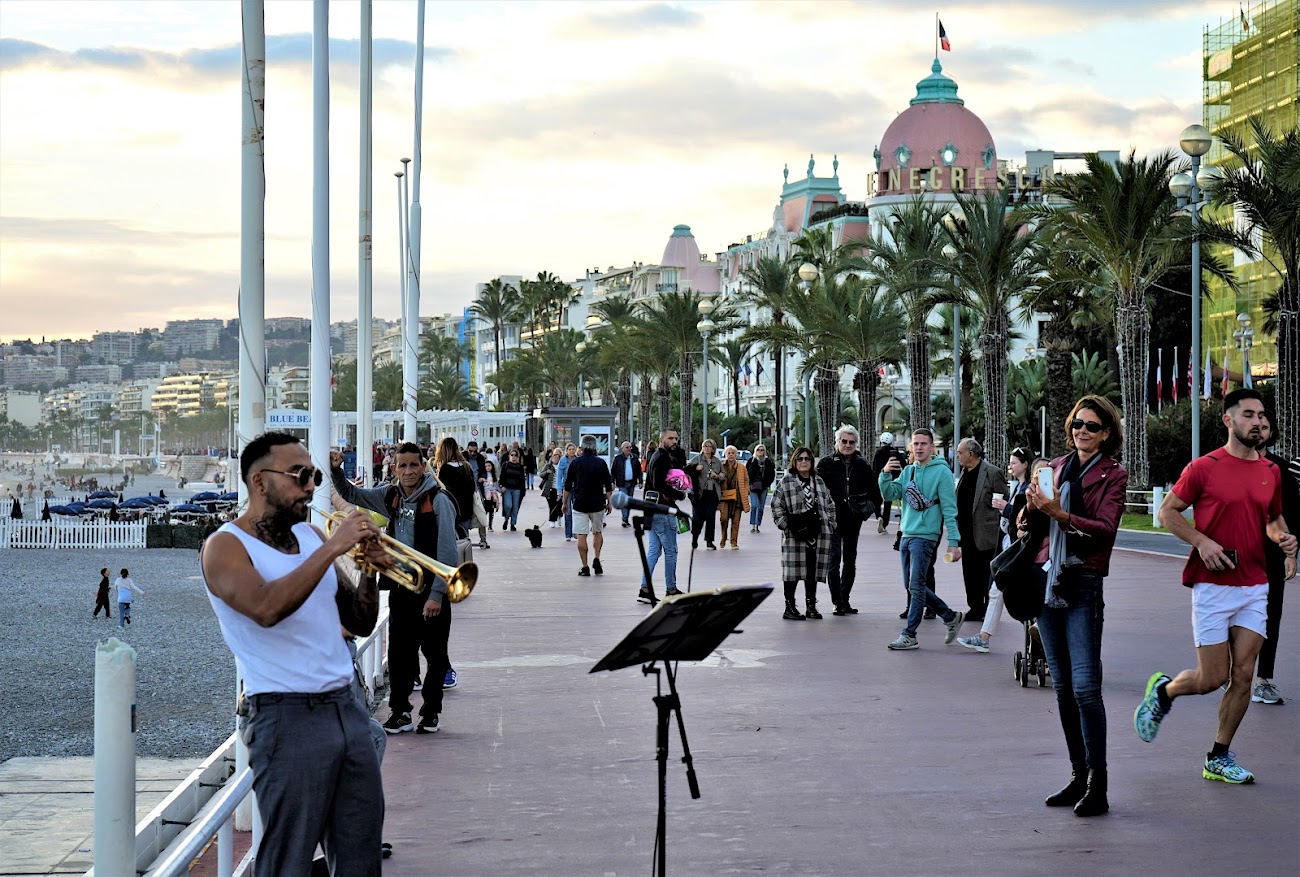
557, 136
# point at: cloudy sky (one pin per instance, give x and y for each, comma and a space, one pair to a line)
557, 136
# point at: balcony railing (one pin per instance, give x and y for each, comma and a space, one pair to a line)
665, 287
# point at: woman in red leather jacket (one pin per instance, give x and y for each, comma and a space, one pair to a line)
1078, 522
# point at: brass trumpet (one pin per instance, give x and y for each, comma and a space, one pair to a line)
460, 579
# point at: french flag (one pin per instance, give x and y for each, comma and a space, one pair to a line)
943, 39
1160, 377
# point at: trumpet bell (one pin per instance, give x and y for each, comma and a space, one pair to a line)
411, 565
461, 581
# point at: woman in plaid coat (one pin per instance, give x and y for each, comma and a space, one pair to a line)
800, 491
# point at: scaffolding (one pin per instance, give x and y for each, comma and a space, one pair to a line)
1251, 70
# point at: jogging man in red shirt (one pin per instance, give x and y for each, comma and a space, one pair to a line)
1237, 497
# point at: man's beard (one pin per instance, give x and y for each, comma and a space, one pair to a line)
281, 516
1250, 441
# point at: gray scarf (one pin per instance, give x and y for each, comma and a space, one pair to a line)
1058, 553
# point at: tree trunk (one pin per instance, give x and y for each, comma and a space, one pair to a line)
781, 443
665, 400
624, 396
496, 346
865, 383
645, 389
827, 382
735, 389
1287, 399
1058, 342
686, 380
918, 364
993, 346
1133, 328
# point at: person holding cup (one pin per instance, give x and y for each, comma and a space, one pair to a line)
977, 522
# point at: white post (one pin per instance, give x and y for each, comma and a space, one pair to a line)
114, 758
1157, 499
365, 296
410, 378
318, 433
252, 238
411, 321
956, 384
252, 276
226, 848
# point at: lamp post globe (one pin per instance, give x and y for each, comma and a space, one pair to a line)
705, 326
1196, 140
1208, 179
1180, 186
807, 272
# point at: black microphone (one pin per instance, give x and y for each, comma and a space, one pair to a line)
621, 500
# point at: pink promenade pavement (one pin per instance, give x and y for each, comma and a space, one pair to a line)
818, 751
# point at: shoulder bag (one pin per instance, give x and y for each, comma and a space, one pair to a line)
1023, 588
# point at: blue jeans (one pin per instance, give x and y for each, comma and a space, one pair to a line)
123, 614
630, 490
529, 480
568, 523
662, 539
1072, 643
511, 499
916, 553
756, 500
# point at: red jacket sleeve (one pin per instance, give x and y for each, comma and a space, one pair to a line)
1105, 522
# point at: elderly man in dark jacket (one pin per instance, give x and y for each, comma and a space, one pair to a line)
853, 487
977, 521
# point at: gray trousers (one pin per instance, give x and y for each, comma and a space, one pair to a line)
316, 775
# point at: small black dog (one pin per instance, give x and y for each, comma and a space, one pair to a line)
534, 535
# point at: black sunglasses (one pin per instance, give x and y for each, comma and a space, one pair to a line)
803, 459
1091, 425
304, 476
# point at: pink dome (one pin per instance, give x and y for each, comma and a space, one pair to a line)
683, 252
934, 143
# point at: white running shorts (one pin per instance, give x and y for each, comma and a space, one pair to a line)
1215, 608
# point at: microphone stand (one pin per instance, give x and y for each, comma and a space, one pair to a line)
667, 706
638, 530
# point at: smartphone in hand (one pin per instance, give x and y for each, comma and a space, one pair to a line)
1045, 486
1231, 554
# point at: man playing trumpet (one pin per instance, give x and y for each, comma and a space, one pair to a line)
280, 598
422, 516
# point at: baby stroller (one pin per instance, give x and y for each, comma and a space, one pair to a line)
1032, 661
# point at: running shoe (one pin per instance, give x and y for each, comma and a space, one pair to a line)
1225, 769
1148, 715
904, 643
953, 626
450, 680
974, 643
1265, 692
399, 722
428, 726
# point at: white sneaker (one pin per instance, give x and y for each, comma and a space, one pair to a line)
903, 643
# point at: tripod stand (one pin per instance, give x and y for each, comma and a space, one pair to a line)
685, 628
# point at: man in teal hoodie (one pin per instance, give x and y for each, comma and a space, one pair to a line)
929, 504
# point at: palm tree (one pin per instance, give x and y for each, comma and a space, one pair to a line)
1091, 375
941, 361
866, 329
1123, 220
672, 317
996, 265
732, 355
770, 286
1070, 294
497, 305
1263, 188
619, 315
444, 387
903, 260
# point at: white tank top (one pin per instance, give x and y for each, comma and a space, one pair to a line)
305, 652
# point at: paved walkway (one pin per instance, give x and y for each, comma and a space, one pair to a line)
818, 751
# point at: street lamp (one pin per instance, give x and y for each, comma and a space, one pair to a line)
1195, 140
949, 252
1245, 338
581, 346
1031, 354
705, 326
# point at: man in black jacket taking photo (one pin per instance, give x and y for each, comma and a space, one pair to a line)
853, 486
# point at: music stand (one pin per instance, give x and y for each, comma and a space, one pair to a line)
682, 628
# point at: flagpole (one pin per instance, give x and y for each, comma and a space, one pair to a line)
936, 36
1160, 377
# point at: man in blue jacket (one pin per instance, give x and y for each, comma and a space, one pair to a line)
929, 503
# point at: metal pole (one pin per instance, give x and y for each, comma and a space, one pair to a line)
807, 427
318, 433
410, 323
252, 240
411, 320
366, 277
956, 382
1196, 312
706, 386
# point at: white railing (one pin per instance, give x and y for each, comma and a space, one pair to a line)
77, 533
194, 814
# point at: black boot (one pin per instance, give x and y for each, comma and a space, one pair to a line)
1073, 793
812, 609
1094, 801
791, 611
